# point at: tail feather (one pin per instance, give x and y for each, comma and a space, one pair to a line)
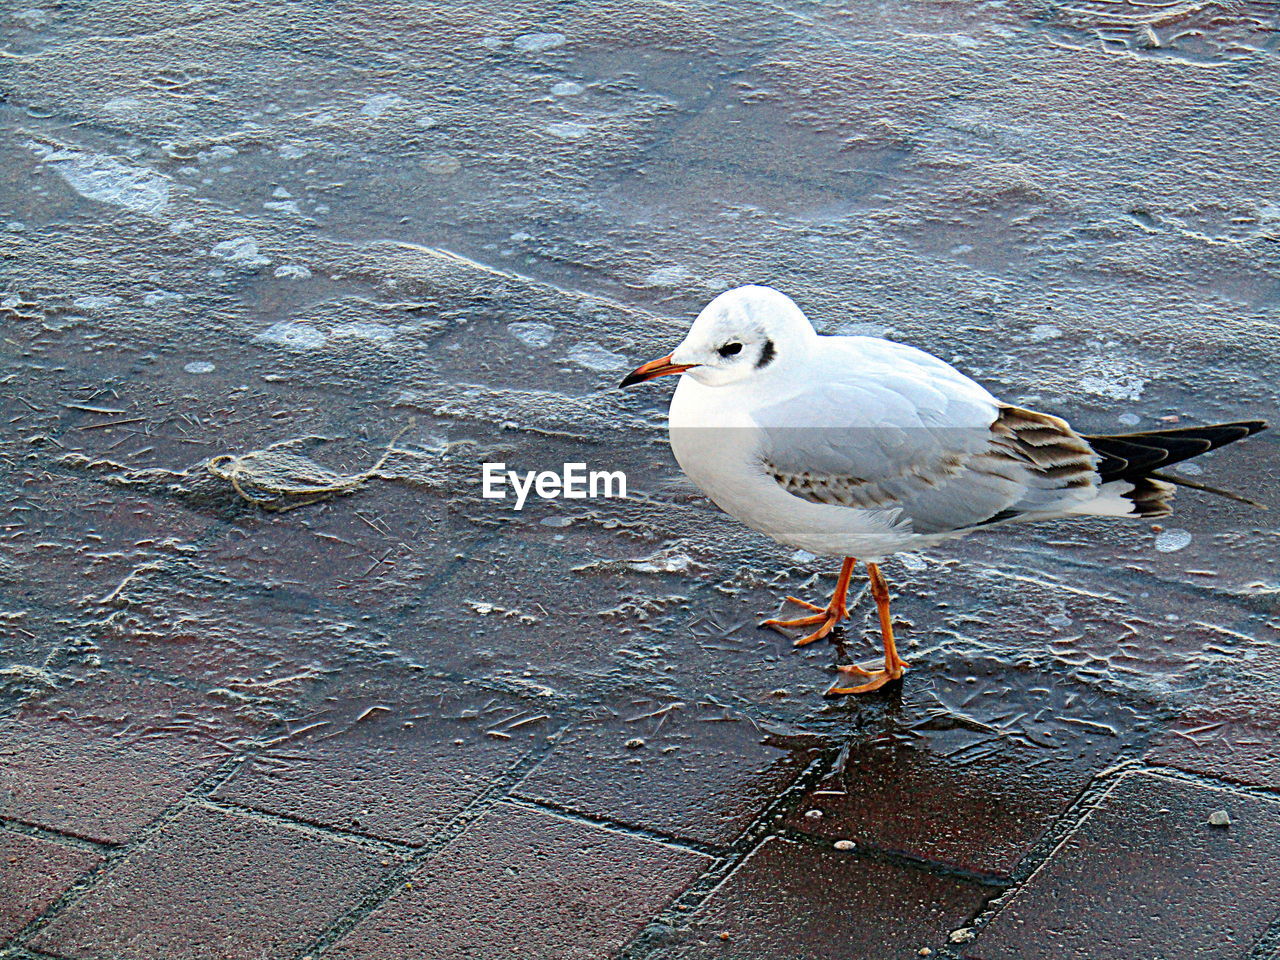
1128, 456
1134, 457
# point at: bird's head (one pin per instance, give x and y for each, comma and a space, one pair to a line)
745, 332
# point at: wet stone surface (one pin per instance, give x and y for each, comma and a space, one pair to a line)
279, 279
545, 886
1093, 898
794, 899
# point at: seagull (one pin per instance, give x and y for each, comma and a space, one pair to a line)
859, 447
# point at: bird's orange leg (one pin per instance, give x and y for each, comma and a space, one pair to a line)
827, 617
894, 665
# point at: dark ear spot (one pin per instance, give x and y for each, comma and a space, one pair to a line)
766, 355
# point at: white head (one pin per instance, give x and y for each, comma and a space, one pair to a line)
745, 332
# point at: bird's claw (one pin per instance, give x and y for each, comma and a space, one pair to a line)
826, 620
878, 677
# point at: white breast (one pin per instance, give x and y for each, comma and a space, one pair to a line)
717, 443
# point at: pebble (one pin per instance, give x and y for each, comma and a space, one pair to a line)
635, 743
813, 814
963, 935
1219, 818
844, 845
199, 366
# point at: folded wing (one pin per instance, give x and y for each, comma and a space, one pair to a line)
925, 445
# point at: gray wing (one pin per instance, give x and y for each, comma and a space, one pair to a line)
937, 456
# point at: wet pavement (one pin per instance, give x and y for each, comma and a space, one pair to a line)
349, 252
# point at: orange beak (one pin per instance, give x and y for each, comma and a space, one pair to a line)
654, 368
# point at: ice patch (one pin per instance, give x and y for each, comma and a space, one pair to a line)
1129, 419
666, 560
1045, 331
595, 357
568, 131
538, 42
667, 277
221, 151
377, 106
294, 335
532, 333
242, 251
283, 206
123, 106
199, 366
566, 88
162, 298
441, 164
105, 179
1172, 540
372, 332
94, 304
1189, 469
292, 271
1111, 378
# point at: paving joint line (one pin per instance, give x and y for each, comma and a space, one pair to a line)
395, 879
1210, 781
327, 831
871, 851
616, 826
96, 874
53, 835
678, 913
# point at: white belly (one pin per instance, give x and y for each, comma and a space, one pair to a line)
717, 445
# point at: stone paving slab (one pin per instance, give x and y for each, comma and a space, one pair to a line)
211, 884
1146, 874
690, 770
525, 883
34, 872
103, 758
810, 902
391, 757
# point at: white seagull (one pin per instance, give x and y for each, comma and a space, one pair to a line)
858, 447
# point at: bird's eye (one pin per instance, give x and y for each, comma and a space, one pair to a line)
729, 349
